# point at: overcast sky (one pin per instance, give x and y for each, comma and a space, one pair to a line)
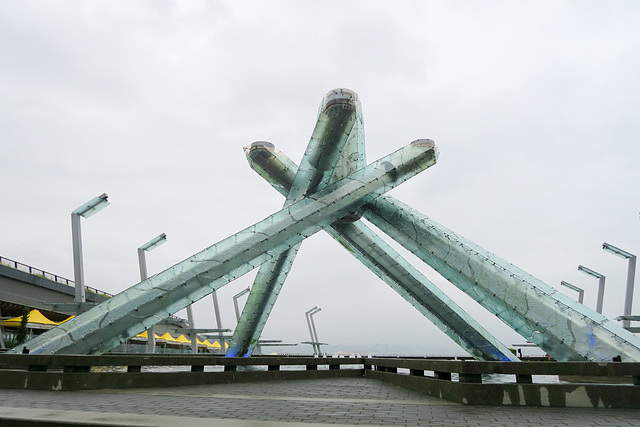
534, 106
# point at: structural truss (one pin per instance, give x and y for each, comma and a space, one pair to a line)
331, 189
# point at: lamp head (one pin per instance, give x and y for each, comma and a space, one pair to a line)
590, 272
570, 286
92, 206
239, 294
154, 243
616, 251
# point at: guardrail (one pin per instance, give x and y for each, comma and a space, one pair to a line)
579, 384
54, 277
75, 372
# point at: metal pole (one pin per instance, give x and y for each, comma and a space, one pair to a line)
575, 288
142, 263
194, 338
235, 307
78, 267
216, 312
600, 294
235, 302
306, 314
313, 326
628, 297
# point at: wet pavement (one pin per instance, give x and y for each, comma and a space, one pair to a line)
339, 401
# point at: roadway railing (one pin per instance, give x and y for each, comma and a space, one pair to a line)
76, 372
575, 384
42, 273
540, 383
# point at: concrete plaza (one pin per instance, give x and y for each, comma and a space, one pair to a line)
339, 401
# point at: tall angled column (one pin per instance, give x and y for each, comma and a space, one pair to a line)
129, 313
337, 119
392, 268
554, 322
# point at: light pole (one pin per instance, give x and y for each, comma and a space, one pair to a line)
312, 329
313, 325
313, 340
631, 274
600, 278
235, 302
142, 262
216, 312
91, 207
575, 288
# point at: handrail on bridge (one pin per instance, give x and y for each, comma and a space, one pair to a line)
469, 371
54, 277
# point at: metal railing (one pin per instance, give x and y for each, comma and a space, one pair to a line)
577, 384
580, 384
468, 371
50, 276
74, 372
55, 278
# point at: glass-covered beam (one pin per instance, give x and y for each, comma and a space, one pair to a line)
560, 326
391, 267
338, 123
129, 313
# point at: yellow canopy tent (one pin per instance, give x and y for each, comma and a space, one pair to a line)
34, 317
216, 344
145, 334
183, 340
167, 337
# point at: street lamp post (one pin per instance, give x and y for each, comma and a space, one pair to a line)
312, 329
91, 207
601, 279
192, 334
142, 262
216, 312
235, 302
313, 326
313, 340
575, 288
631, 274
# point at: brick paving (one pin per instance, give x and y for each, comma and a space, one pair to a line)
343, 401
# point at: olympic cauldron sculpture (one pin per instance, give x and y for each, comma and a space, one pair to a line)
331, 189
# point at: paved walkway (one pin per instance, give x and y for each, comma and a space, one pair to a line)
344, 401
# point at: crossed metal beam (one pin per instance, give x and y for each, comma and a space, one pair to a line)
331, 189
565, 330
339, 136
132, 311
